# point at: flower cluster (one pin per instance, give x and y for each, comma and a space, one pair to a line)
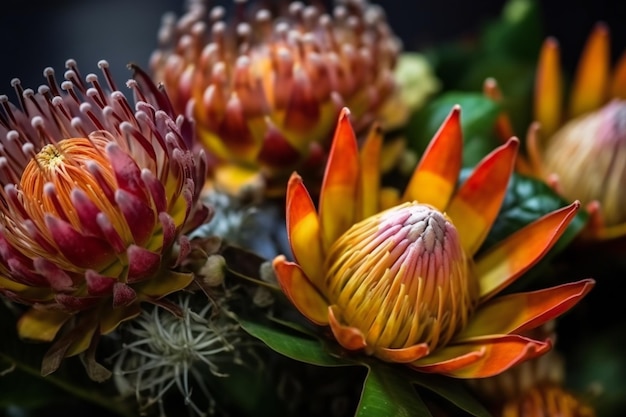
249, 186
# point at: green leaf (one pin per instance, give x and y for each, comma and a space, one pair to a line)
478, 116
453, 391
526, 200
297, 346
388, 392
518, 33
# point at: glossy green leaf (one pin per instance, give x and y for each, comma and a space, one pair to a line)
388, 392
526, 200
453, 391
298, 346
478, 116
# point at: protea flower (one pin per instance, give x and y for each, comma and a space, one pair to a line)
546, 401
581, 150
266, 87
399, 278
532, 389
96, 195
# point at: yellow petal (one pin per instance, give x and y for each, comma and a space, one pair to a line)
303, 229
618, 81
339, 188
300, 291
484, 358
476, 204
113, 317
548, 99
435, 177
369, 190
590, 87
524, 311
41, 324
163, 284
502, 264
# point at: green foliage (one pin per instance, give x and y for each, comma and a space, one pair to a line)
388, 389
478, 115
22, 387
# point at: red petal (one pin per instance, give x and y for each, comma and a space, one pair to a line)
139, 216
123, 295
127, 173
59, 280
98, 285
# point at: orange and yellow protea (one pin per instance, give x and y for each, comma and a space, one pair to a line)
580, 148
266, 86
95, 194
399, 277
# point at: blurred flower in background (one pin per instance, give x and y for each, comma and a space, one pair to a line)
96, 196
534, 388
578, 145
265, 86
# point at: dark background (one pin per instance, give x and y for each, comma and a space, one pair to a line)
40, 33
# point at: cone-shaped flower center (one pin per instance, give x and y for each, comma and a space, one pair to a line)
401, 277
589, 156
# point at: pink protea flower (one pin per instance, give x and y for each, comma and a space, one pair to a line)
96, 195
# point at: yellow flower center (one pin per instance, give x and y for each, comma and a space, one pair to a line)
401, 277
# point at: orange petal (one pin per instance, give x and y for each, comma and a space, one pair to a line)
434, 179
524, 311
484, 358
41, 324
618, 81
350, 338
369, 191
339, 188
505, 262
300, 291
504, 128
403, 355
548, 100
590, 87
303, 229
476, 204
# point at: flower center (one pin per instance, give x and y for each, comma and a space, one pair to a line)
49, 158
402, 278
